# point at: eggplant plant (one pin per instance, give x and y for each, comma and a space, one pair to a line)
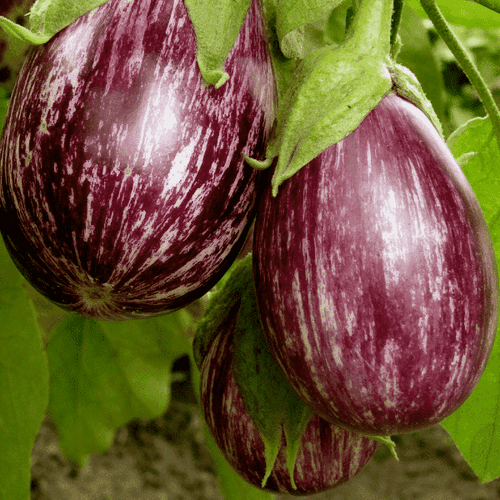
376, 277
123, 193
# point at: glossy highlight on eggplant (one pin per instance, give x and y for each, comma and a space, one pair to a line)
376, 277
123, 192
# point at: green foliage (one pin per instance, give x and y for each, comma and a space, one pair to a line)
12, 50
269, 400
104, 374
460, 100
474, 426
4, 104
462, 12
483, 170
24, 381
418, 55
232, 485
21, 33
292, 18
47, 17
216, 24
334, 88
225, 301
407, 85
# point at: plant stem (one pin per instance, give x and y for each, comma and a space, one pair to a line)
370, 30
348, 18
396, 19
468, 66
489, 4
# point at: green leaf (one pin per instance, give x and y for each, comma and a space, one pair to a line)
483, 170
231, 484
464, 159
332, 91
48, 17
387, 441
295, 419
24, 382
267, 397
4, 105
337, 24
270, 401
13, 51
283, 67
475, 425
104, 374
490, 4
407, 85
324, 106
47, 313
224, 303
417, 55
292, 15
259, 380
216, 24
21, 33
462, 12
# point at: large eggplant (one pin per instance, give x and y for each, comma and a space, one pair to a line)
327, 457
376, 277
123, 191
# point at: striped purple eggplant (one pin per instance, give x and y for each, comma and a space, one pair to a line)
123, 191
376, 277
327, 457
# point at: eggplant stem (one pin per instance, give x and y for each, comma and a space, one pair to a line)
489, 4
469, 68
370, 29
396, 20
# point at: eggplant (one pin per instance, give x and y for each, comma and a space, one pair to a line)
123, 192
327, 456
376, 277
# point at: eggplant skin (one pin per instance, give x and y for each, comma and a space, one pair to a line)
327, 457
123, 191
376, 277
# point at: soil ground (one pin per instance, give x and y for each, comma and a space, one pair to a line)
166, 459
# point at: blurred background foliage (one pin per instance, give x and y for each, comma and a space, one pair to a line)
428, 57
460, 100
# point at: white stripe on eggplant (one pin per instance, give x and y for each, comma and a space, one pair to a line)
383, 230
133, 189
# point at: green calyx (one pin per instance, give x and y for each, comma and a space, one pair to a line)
21, 33
216, 24
291, 19
270, 401
406, 85
224, 303
333, 90
48, 17
387, 441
